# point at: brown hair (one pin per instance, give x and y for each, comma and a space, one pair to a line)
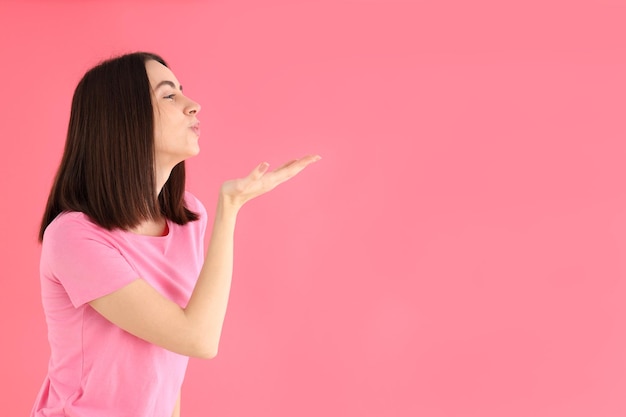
107, 170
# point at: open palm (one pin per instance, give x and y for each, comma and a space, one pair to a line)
259, 181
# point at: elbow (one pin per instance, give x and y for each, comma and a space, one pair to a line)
202, 341
209, 353
205, 349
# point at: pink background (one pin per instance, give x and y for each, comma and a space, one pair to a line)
459, 251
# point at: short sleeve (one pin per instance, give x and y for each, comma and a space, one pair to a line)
84, 259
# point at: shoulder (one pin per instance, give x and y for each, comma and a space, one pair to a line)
72, 243
74, 227
68, 222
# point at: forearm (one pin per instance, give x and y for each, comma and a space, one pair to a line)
195, 330
176, 412
207, 306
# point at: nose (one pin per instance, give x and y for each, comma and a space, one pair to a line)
192, 107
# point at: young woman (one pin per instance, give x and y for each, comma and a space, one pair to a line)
127, 291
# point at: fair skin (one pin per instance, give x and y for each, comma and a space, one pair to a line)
138, 308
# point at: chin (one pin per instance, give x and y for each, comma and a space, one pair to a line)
195, 151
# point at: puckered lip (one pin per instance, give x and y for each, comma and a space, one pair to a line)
195, 127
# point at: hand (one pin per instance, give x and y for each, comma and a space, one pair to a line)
259, 181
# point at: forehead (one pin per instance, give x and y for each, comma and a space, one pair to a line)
158, 72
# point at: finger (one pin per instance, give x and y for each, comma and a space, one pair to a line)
309, 159
312, 158
263, 167
292, 168
286, 165
259, 171
298, 165
302, 161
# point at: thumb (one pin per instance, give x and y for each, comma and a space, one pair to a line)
260, 170
263, 167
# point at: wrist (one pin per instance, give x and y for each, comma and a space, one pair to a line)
227, 206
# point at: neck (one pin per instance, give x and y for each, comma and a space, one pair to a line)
162, 175
155, 227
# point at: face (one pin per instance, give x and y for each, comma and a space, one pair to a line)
176, 128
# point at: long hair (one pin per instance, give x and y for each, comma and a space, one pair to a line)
108, 166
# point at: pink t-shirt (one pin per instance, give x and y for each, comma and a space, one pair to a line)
97, 369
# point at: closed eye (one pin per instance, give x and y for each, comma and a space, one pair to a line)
170, 97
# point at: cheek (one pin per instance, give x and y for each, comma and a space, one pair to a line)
162, 127
165, 123
160, 133
158, 137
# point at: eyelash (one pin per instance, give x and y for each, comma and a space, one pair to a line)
170, 97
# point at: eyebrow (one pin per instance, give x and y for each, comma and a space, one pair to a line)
167, 82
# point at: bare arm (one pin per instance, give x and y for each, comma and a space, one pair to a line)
195, 330
176, 412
